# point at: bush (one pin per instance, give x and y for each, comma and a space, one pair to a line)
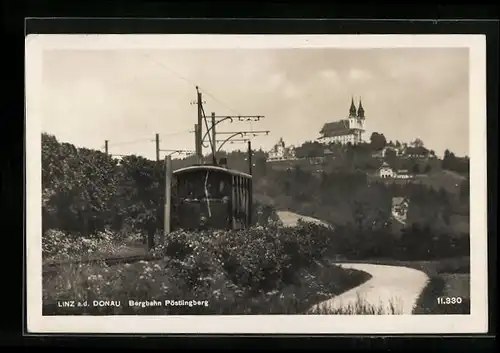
86, 191
58, 245
255, 259
244, 271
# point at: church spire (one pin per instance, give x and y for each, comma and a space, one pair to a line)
352, 110
361, 111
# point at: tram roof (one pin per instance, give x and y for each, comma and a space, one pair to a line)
195, 168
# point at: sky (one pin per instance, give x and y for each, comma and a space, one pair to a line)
126, 96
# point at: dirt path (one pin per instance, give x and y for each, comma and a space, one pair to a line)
392, 289
290, 219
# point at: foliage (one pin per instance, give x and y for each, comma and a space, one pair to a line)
86, 193
454, 163
359, 307
377, 141
361, 213
310, 149
79, 188
58, 245
246, 271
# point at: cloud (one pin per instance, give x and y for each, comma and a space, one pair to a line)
291, 91
275, 81
359, 75
92, 96
330, 75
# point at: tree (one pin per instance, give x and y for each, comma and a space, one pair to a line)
464, 191
260, 165
377, 141
390, 156
417, 143
80, 188
310, 149
456, 164
142, 194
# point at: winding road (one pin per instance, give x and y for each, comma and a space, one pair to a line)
391, 289
290, 219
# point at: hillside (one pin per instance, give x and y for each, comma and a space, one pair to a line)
95, 205
126, 193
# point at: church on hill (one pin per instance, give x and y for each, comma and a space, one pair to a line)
348, 130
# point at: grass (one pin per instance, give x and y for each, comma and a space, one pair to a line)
447, 278
61, 247
427, 303
448, 180
147, 281
312, 285
118, 250
359, 307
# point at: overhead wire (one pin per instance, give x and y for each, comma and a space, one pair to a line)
184, 78
203, 90
133, 142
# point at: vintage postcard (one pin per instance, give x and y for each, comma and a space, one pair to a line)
256, 184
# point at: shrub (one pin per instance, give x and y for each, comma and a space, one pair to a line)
58, 245
244, 271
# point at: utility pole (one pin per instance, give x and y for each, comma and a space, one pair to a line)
197, 146
250, 191
168, 197
200, 127
157, 147
250, 169
214, 141
200, 135
106, 150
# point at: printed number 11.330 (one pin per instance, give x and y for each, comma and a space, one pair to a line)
449, 300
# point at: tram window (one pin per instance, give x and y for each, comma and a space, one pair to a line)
197, 186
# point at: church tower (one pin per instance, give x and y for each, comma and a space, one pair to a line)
352, 110
361, 120
352, 115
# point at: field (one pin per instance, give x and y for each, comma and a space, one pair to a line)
250, 286
444, 179
270, 270
447, 278
95, 207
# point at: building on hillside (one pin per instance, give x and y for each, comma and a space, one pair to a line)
349, 130
328, 152
385, 171
399, 209
280, 152
402, 174
398, 151
417, 152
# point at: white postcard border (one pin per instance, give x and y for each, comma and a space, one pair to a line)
476, 322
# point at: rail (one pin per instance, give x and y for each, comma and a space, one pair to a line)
51, 267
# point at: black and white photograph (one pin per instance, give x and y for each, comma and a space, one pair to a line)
256, 184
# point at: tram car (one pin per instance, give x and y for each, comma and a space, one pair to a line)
210, 196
